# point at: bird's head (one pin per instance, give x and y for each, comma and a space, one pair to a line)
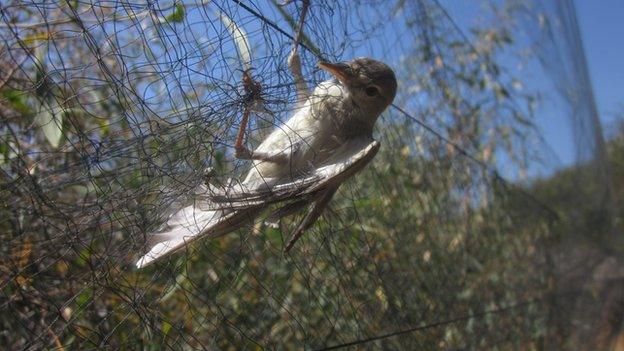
371, 84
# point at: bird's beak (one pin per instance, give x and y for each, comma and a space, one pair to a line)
339, 70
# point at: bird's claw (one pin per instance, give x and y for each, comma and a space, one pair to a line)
243, 153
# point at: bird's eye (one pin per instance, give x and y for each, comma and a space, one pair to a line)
372, 91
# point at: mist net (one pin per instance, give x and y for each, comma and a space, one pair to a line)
480, 224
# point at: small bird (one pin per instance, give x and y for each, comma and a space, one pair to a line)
301, 163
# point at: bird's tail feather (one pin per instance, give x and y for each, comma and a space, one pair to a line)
191, 223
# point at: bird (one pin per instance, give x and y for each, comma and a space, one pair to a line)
300, 164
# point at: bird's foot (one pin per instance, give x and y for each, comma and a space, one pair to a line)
243, 153
294, 63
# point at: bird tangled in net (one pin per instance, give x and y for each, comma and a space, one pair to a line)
117, 115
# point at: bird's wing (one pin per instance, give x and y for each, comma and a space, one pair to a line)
345, 161
190, 224
224, 212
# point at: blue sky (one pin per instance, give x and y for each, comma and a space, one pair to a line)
601, 25
602, 29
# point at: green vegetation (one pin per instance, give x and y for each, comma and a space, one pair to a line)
101, 137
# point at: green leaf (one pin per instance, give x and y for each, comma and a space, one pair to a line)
50, 120
35, 39
178, 14
83, 299
4, 151
83, 257
16, 100
274, 235
240, 39
180, 282
166, 327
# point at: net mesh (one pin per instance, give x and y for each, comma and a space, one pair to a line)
466, 231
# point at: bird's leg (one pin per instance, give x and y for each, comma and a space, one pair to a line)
253, 91
294, 61
240, 149
316, 211
288, 209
